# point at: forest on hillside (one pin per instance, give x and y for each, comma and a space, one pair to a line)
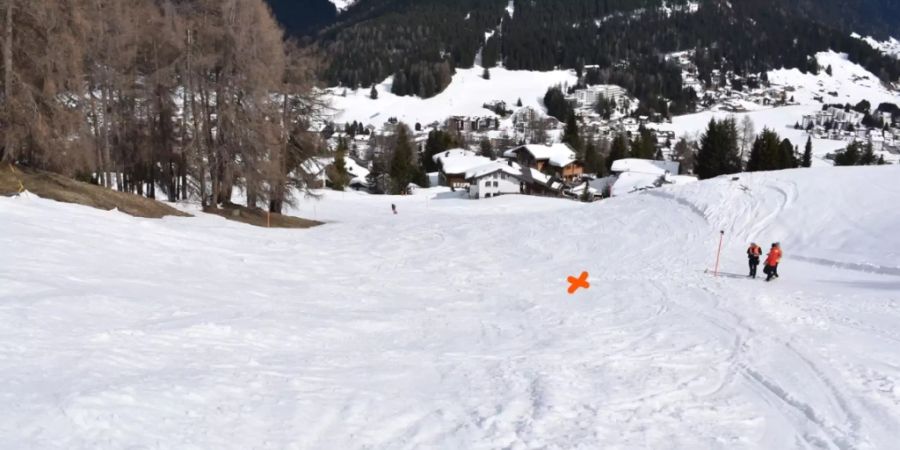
421, 43
198, 97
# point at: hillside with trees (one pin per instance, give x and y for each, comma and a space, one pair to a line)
302, 17
197, 98
422, 43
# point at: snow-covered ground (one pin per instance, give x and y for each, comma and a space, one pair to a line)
448, 325
849, 82
890, 47
342, 5
781, 120
465, 96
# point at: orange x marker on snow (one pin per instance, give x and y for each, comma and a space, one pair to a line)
580, 282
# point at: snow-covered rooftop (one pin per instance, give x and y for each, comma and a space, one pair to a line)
629, 182
559, 155
501, 166
458, 161
645, 166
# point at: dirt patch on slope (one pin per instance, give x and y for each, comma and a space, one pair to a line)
259, 217
53, 186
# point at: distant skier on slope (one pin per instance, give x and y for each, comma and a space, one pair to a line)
394, 208
753, 254
772, 260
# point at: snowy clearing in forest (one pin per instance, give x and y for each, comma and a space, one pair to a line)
449, 326
848, 83
466, 96
890, 47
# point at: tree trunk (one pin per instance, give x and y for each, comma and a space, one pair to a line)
7, 154
104, 105
278, 187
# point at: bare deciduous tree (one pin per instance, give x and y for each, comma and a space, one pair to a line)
196, 97
748, 134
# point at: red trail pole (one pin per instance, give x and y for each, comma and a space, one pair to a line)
719, 252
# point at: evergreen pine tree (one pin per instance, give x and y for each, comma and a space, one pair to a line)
644, 145
868, 156
399, 87
849, 157
881, 161
618, 150
519, 103
605, 107
592, 160
718, 153
487, 150
786, 157
486, 74
766, 153
571, 135
438, 141
754, 163
402, 169
556, 104
339, 175
807, 153
373, 94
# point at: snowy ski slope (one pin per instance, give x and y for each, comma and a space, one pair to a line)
448, 325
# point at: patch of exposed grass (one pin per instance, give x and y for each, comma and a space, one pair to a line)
259, 217
63, 189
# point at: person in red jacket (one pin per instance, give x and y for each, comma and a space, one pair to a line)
753, 254
772, 260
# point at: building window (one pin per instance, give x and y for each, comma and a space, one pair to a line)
496, 184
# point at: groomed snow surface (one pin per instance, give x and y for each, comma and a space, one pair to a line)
448, 325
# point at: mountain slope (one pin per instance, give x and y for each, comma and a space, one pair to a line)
421, 42
302, 17
448, 325
877, 17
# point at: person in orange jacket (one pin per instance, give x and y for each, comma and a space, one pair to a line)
772, 260
753, 254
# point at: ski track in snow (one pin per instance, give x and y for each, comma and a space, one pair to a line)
448, 326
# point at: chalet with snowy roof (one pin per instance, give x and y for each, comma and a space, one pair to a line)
455, 163
497, 178
558, 160
508, 177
